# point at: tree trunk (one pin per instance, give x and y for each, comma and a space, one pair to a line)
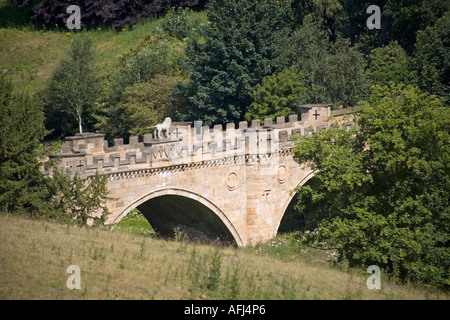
80, 125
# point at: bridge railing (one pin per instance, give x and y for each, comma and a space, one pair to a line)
190, 145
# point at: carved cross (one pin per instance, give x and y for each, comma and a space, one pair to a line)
176, 132
316, 114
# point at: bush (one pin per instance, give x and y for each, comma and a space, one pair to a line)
77, 201
115, 14
381, 191
279, 95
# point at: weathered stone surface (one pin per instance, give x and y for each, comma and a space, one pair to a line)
234, 184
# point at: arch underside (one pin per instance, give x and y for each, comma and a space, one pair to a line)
169, 212
171, 208
288, 207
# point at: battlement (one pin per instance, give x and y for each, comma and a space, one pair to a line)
190, 143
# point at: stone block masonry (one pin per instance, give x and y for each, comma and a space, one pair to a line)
230, 182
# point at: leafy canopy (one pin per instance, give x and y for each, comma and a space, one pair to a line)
230, 57
334, 69
74, 85
432, 58
381, 190
279, 95
389, 63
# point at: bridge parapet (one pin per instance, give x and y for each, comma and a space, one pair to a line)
189, 144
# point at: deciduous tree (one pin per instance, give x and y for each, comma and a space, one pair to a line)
381, 190
278, 95
74, 85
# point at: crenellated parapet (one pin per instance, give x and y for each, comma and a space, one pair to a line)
189, 145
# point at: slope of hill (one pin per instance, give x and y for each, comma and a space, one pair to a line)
35, 256
29, 55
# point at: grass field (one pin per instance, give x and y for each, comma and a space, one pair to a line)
34, 257
29, 54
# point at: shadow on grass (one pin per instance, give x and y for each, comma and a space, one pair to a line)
12, 15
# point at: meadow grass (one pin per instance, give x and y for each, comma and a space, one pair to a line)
29, 53
34, 257
136, 223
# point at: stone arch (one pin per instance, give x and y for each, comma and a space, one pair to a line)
286, 204
191, 196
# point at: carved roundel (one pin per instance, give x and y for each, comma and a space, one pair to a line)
232, 181
282, 173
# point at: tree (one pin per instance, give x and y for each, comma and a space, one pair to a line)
74, 86
21, 131
23, 187
335, 70
432, 58
133, 88
141, 106
389, 63
78, 201
400, 21
330, 13
381, 190
230, 57
279, 95
180, 24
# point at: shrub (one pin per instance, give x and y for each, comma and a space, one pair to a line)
381, 191
116, 14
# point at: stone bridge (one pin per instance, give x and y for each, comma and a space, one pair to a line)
232, 183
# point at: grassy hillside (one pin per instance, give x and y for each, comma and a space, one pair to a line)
30, 55
120, 265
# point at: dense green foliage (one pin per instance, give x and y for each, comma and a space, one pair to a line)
21, 131
432, 58
220, 59
141, 106
279, 95
139, 92
234, 53
389, 63
334, 69
77, 201
382, 189
23, 187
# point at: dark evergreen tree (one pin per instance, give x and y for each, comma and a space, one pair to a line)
21, 131
233, 54
432, 58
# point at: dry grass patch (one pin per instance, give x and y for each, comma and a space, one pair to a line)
34, 256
